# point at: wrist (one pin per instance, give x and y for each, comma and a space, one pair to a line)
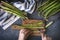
21, 37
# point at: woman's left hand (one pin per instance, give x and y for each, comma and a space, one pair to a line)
24, 33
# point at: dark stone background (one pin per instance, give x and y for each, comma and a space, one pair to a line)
53, 31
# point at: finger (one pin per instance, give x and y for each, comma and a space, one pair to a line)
42, 35
45, 37
25, 31
49, 38
42, 30
22, 30
28, 34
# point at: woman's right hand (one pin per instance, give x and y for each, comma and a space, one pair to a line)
44, 36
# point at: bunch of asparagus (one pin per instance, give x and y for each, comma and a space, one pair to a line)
12, 9
49, 8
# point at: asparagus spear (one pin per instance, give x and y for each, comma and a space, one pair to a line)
35, 24
12, 11
50, 23
11, 7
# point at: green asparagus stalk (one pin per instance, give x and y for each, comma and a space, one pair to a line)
50, 23
11, 7
12, 11
30, 27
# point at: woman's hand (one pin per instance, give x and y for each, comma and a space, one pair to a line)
24, 33
44, 36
